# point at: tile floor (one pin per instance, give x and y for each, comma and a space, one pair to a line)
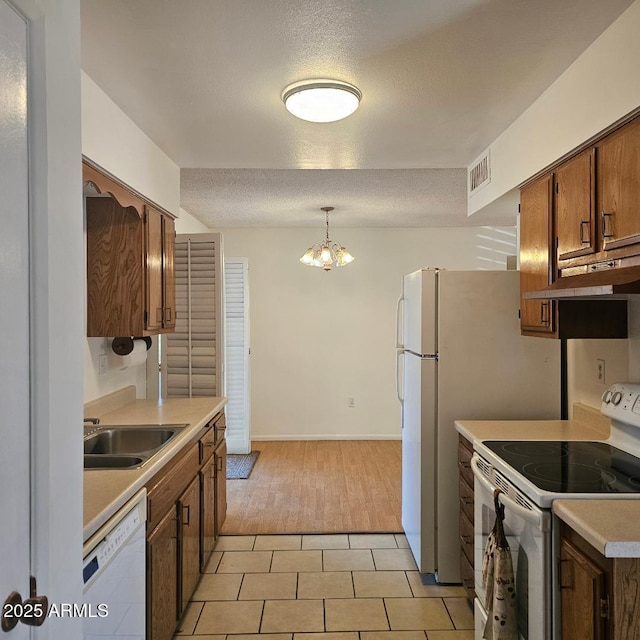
321, 587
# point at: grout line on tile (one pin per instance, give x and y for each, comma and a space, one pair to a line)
448, 612
240, 587
373, 558
261, 617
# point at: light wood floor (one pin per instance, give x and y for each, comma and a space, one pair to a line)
318, 487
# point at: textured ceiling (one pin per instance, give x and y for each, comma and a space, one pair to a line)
440, 81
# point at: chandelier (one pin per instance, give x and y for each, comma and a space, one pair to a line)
327, 254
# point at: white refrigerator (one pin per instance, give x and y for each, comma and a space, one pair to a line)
460, 357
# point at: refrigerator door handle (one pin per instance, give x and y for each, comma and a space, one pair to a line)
399, 338
399, 368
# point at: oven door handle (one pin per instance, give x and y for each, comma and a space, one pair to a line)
533, 517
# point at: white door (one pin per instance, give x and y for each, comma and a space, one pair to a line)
236, 354
15, 534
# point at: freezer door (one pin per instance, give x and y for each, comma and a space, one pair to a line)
419, 311
418, 460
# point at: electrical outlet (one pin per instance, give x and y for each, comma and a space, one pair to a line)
600, 370
351, 403
103, 364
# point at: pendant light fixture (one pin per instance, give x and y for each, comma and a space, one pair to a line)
321, 100
327, 254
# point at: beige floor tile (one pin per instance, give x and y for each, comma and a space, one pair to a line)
213, 563
447, 635
393, 559
287, 561
272, 543
258, 636
230, 617
401, 541
381, 584
417, 613
393, 635
235, 543
245, 562
460, 611
272, 586
347, 560
365, 614
189, 620
326, 584
372, 541
330, 635
330, 541
218, 586
292, 615
432, 590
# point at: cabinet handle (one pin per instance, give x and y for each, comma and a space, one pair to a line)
220, 464
159, 314
188, 518
566, 574
468, 501
168, 314
606, 233
544, 314
585, 224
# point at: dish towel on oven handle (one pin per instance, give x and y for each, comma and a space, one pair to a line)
498, 582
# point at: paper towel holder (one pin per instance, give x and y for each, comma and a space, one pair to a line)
124, 346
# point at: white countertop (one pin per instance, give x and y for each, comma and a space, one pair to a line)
105, 491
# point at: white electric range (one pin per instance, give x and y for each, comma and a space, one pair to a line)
531, 475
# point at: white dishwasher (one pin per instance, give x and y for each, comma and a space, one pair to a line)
113, 572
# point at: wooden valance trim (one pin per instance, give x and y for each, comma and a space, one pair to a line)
105, 184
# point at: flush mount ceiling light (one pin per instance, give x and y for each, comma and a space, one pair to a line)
321, 100
326, 254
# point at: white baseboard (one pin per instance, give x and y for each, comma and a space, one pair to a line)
325, 436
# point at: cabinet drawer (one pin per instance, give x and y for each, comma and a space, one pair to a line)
207, 444
466, 537
164, 491
466, 499
465, 453
466, 575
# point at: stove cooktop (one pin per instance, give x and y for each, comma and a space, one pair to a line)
571, 466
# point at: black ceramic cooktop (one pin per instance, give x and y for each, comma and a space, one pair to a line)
571, 467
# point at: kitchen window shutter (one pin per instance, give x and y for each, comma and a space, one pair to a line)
236, 305
195, 349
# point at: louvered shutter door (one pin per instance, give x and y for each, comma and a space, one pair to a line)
236, 304
194, 350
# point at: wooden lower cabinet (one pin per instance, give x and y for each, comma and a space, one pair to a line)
162, 578
189, 539
187, 504
220, 456
465, 490
207, 511
599, 597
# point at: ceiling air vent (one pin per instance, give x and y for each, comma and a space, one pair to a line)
480, 173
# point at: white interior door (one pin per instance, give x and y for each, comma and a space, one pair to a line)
15, 534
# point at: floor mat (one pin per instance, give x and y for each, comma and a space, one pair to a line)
240, 465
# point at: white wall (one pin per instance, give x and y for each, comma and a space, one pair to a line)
599, 88
186, 223
114, 142
318, 338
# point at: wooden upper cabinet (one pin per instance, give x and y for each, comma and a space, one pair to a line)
130, 263
618, 176
536, 316
575, 221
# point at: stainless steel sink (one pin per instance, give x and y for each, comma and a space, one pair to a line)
112, 462
125, 446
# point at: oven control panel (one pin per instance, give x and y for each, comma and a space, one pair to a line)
621, 401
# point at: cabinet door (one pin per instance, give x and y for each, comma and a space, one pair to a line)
189, 527
582, 586
536, 316
575, 207
168, 273
154, 250
162, 579
618, 170
220, 456
207, 511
